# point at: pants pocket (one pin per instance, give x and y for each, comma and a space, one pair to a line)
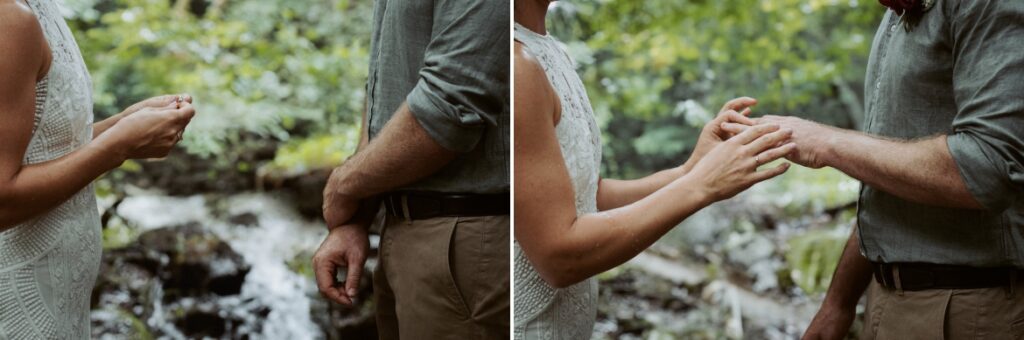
459, 267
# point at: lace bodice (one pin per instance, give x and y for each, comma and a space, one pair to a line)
542, 312
48, 265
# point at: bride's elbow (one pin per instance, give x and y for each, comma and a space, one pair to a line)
8, 214
559, 273
560, 280
7, 220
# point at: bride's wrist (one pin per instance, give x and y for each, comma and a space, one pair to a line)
696, 189
114, 152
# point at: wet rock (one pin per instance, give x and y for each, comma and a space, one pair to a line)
197, 262
201, 324
247, 219
178, 282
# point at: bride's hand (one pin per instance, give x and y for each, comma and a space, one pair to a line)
151, 132
157, 102
731, 166
734, 111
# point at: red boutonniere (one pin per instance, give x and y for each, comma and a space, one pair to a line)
910, 11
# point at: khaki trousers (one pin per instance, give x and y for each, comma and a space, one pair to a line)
443, 278
987, 313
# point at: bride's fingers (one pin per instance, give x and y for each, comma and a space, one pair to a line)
762, 175
775, 153
769, 140
754, 132
739, 103
734, 128
735, 117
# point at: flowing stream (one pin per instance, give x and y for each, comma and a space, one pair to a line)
275, 301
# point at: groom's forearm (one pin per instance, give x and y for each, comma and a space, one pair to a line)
613, 193
402, 153
922, 171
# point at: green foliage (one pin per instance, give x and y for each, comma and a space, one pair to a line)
813, 257
273, 68
117, 234
642, 60
314, 153
803, 191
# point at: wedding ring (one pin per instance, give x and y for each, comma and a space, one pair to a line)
180, 98
757, 159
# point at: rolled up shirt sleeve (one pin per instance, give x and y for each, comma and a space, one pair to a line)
987, 140
463, 84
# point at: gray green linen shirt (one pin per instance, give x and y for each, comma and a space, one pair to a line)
959, 72
449, 60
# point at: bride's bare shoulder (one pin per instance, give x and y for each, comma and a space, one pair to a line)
17, 18
23, 43
533, 92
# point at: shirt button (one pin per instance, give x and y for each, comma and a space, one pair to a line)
878, 85
892, 28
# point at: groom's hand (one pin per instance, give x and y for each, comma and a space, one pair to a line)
813, 140
345, 247
831, 323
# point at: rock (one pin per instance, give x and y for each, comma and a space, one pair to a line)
177, 282
197, 263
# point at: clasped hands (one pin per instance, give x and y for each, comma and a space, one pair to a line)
812, 140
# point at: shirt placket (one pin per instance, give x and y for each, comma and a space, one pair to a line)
371, 91
883, 52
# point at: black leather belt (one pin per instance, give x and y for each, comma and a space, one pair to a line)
424, 205
923, 276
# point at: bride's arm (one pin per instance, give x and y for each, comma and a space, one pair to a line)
615, 193
27, 191
566, 248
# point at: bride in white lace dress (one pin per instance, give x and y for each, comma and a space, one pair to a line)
570, 224
50, 152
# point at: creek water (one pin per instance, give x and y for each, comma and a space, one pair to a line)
273, 239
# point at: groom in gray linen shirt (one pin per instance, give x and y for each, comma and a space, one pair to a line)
941, 214
435, 150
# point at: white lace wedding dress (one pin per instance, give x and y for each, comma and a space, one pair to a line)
542, 312
48, 265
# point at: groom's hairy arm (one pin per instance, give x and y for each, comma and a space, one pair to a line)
922, 171
401, 154
29, 190
563, 247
